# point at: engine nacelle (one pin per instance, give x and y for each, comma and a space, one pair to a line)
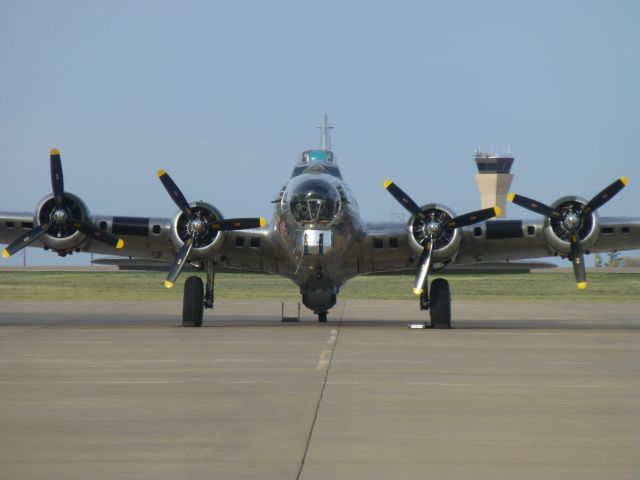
207, 241
62, 237
447, 244
557, 233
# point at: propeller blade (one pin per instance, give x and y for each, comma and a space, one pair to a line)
577, 259
175, 192
406, 201
178, 263
474, 217
25, 240
423, 269
238, 223
94, 232
533, 205
605, 195
57, 180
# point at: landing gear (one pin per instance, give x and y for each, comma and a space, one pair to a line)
440, 305
438, 302
322, 317
208, 293
197, 297
192, 304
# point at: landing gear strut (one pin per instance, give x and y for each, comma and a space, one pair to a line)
197, 297
322, 317
438, 303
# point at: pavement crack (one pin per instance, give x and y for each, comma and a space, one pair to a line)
324, 385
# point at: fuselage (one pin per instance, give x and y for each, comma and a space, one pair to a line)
317, 225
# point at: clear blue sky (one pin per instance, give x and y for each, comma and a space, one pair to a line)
225, 95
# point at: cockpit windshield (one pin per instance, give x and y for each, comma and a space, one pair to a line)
317, 161
314, 201
323, 156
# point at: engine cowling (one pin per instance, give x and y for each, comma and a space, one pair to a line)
206, 240
447, 243
556, 230
63, 236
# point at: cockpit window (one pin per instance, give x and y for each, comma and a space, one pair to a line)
314, 201
317, 161
332, 170
324, 156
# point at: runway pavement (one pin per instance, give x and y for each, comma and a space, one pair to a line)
522, 390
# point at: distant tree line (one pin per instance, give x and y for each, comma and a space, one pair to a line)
616, 260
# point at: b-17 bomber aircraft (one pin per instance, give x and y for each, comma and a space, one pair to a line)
318, 239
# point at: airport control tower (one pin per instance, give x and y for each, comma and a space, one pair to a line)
494, 179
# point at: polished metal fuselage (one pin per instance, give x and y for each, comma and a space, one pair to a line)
314, 254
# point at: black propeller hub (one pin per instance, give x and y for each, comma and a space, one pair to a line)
572, 219
196, 226
432, 227
60, 217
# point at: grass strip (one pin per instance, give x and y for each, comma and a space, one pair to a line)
148, 286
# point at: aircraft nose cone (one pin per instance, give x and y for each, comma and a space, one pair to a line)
314, 200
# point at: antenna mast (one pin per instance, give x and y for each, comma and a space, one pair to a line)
325, 129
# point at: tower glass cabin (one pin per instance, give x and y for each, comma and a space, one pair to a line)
494, 179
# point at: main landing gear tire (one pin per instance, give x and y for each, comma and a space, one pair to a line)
440, 309
192, 304
322, 317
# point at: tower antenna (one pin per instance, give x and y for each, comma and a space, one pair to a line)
325, 130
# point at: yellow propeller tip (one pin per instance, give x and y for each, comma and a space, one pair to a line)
624, 180
120, 244
168, 284
263, 222
54, 151
161, 172
387, 183
497, 210
582, 285
5, 253
511, 196
417, 291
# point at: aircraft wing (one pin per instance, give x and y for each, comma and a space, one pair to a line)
143, 237
389, 246
149, 239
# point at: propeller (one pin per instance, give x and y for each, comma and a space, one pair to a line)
60, 216
572, 219
435, 226
198, 226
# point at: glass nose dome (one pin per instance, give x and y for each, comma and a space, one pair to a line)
314, 201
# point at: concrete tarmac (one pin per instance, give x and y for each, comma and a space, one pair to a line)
518, 390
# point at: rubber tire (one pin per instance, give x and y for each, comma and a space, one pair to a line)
440, 309
322, 317
192, 302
